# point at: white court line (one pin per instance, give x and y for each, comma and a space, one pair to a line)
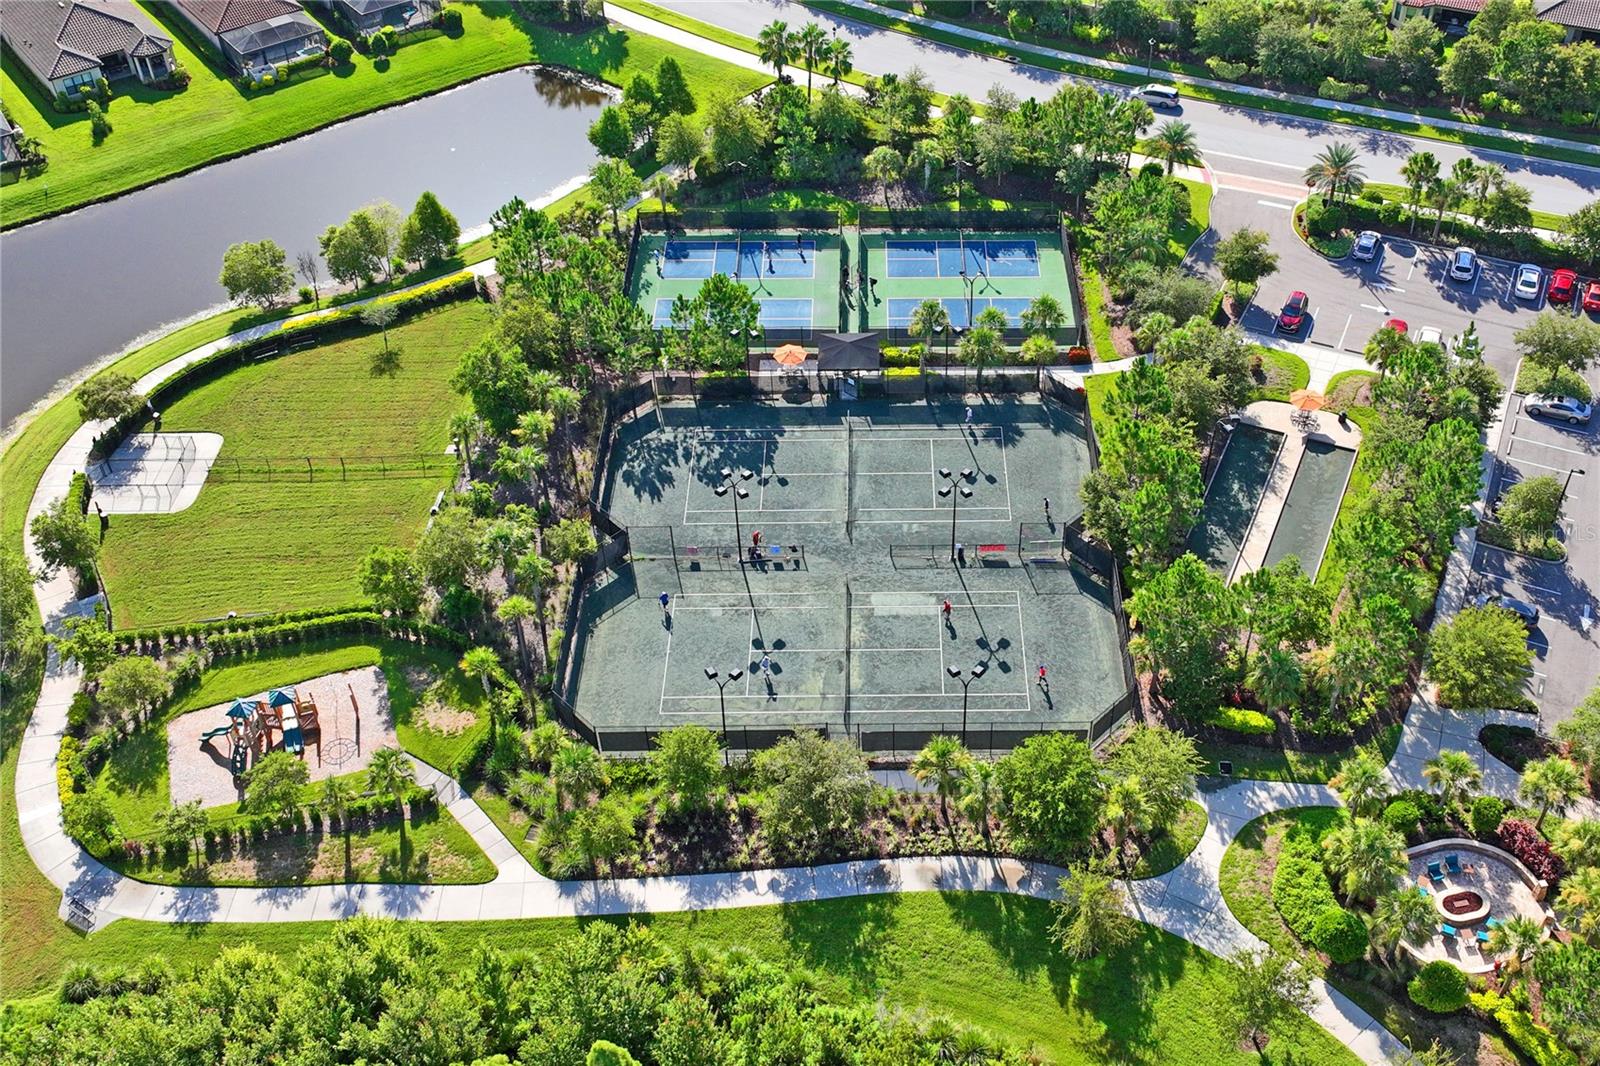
1005, 470
942, 510
665, 660
772, 607
933, 474
897, 473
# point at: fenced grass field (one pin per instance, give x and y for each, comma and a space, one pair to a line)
294, 541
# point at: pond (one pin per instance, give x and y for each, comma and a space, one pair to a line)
82, 286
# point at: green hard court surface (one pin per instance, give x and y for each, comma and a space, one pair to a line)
1233, 496
1312, 504
853, 631
793, 273
910, 267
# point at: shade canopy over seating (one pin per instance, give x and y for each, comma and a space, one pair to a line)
848, 351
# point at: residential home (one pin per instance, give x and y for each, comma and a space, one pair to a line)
10, 154
66, 44
252, 34
369, 16
1579, 19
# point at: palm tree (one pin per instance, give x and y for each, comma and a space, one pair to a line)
390, 773
1442, 196
1403, 916
1361, 781
1486, 177
1454, 776
1518, 940
1043, 315
337, 795
1368, 858
929, 318
1276, 677
775, 46
563, 402
836, 58
483, 664
1175, 143
513, 611
1579, 844
883, 165
536, 572
662, 187
984, 344
810, 42
1420, 170
1579, 902
578, 771
980, 794
1089, 915
1551, 783
942, 763
1127, 810
1335, 172
465, 429
925, 156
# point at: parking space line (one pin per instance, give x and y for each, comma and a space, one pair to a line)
1543, 466
1535, 588
1346, 332
1536, 646
1542, 444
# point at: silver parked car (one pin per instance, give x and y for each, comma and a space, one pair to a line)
1463, 264
1368, 242
1523, 610
1566, 408
1530, 280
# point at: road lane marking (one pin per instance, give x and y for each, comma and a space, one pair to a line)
1253, 159
1380, 310
1277, 204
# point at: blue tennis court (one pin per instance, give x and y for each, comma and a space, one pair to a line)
773, 259
776, 313
902, 308
948, 259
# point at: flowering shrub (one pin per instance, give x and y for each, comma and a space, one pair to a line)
1521, 839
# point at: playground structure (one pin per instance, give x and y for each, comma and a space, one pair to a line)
251, 721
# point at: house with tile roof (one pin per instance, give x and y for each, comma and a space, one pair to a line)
67, 44
254, 34
1579, 19
365, 17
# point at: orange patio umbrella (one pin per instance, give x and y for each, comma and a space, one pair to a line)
1307, 399
789, 355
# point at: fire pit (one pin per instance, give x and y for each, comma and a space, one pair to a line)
1463, 906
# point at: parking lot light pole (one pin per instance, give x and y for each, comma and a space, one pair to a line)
722, 702
966, 684
955, 487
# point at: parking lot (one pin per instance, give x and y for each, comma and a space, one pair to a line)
1566, 641
1408, 279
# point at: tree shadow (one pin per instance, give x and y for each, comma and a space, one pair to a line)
847, 936
386, 362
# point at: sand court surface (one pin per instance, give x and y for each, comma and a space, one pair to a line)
354, 718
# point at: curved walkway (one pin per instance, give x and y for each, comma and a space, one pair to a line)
1186, 901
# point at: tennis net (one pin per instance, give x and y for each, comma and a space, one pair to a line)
847, 643
850, 480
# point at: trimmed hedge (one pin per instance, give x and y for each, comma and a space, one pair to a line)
1440, 987
1487, 813
1403, 817
1242, 720
158, 637
1340, 934
335, 625
1300, 887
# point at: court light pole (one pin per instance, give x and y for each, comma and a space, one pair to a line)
722, 702
966, 684
732, 480
955, 487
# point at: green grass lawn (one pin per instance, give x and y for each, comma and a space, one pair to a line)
435, 850
1278, 764
1246, 875
1170, 850
292, 543
1179, 239
1331, 574
1285, 372
982, 959
136, 777
1401, 195
158, 134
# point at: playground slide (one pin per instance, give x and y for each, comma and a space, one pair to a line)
220, 731
292, 740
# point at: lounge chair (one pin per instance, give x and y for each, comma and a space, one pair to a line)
1449, 930
1483, 938
1493, 923
1453, 863
1435, 874
1422, 890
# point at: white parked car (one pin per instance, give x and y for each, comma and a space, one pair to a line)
1368, 242
1530, 279
1463, 264
1563, 408
1431, 335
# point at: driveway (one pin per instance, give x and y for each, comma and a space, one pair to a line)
1566, 641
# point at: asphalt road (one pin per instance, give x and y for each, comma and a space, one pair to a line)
1566, 640
1257, 143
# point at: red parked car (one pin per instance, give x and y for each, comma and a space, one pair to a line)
1563, 283
1293, 314
1399, 325
1591, 296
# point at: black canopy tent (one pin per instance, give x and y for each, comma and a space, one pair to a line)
848, 352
